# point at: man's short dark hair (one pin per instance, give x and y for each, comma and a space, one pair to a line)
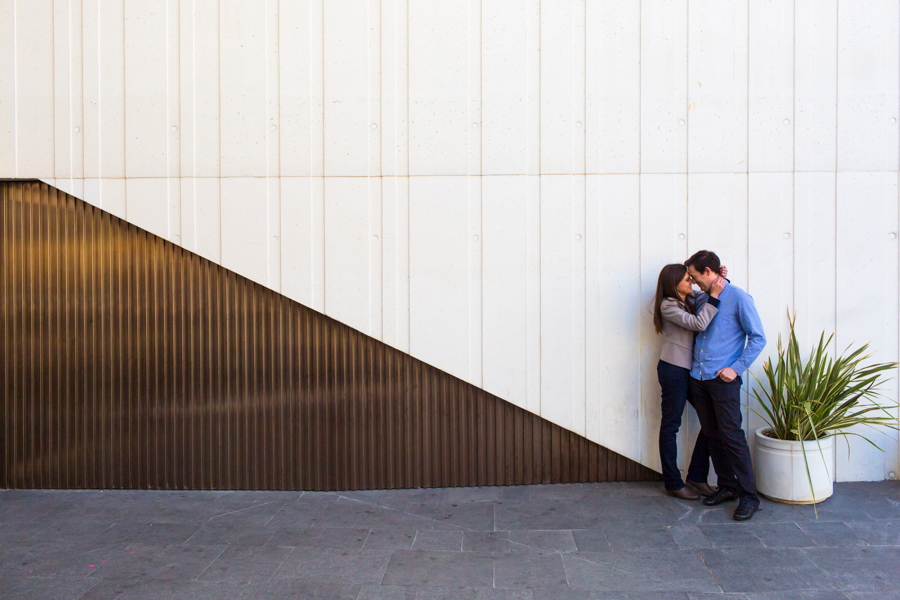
703, 260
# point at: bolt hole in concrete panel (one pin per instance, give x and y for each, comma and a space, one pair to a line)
77, 129
893, 120
177, 239
680, 236
274, 238
577, 236
578, 124
787, 236
375, 237
374, 126
892, 235
787, 121
681, 122
475, 237
474, 125
174, 128
273, 127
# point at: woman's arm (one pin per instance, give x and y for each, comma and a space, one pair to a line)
671, 311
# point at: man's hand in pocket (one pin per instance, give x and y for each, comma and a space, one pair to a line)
727, 374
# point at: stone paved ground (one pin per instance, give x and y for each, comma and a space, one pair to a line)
593, 541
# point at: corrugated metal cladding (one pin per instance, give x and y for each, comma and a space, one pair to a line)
129, 362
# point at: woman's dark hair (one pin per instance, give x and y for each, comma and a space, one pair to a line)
704, 260
667, 287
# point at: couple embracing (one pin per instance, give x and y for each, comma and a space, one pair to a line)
711, 338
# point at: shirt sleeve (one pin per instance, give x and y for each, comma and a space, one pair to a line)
699, 322
756, 338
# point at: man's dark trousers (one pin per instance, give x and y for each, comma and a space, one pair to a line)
718, 406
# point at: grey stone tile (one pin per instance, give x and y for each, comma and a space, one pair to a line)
690, 537
638, 511
487, 494
295, 536
232, 534
886, 595
46, 560
731, 536
858, 501
764, 569
591, 540
474, 516
301, 590
44, 588
492, 542
560, 593
553, 541
448, 593
339, 537
144, 533
439, 569
659, 571
403, 497
831, 533
302, 512
627, 536
387, 592
650, 596
558, 491
380, 539
795, 595
517, 571
155, 562
109, 589
781, 535
350, 513
493, 594
541, 514
770, 512
859, 569
878, 533
523, 550
246, 564
335, 566
18, 526
71, 531
438, 541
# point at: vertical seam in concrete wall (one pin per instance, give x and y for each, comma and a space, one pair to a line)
317, 151
15, 90
640, 383
533, 205
273, 128
475, 243
374, 132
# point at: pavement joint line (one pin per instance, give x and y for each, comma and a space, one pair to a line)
713, 575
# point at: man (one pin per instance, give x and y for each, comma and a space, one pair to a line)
722, 353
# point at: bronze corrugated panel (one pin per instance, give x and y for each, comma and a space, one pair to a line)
129, 362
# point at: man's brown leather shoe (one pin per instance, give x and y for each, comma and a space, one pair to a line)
703, 488
683, 493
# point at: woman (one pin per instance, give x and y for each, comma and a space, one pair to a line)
675, 316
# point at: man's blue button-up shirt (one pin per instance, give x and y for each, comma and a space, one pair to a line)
733, 339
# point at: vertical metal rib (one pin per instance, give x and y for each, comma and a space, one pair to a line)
128, 362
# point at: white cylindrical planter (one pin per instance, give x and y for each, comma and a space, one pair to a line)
781, 469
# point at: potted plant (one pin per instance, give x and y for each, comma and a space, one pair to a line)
806, 404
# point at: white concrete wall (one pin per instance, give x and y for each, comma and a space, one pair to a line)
491, 185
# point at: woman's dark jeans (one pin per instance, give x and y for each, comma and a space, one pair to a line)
674, 382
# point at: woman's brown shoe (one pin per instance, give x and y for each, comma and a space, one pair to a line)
683, 493
703, 488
